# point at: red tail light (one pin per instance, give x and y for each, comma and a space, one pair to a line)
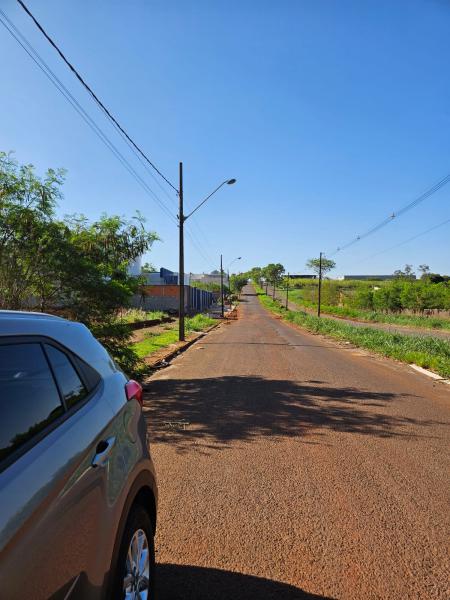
133, 390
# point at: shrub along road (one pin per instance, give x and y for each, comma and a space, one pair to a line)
307, 470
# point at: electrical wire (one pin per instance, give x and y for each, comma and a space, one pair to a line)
437, 186
414, 237
94, 95
42, 65
198, 247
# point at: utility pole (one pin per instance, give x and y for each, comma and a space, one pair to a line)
182, 218
287, 292
221, 286
320, 284
273, 291
181, 259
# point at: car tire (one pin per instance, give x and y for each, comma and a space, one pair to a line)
138, 533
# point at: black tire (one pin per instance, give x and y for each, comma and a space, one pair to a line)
137, 519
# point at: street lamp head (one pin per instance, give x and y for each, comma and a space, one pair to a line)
231, 181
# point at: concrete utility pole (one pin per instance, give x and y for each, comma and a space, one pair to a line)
181, 220
221, 287
287, 292
320, 285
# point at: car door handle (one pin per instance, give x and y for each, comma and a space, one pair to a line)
102, 452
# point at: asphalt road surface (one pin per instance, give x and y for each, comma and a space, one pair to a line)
306, 470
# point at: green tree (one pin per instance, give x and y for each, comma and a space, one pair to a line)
237, 282
255, 274
148, 268
72, 266
407, 273
424, 269
327, 265
273, 273
27, 205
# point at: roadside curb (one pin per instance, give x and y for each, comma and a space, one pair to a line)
350, 345
430, 374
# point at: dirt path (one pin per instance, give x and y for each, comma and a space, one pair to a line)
307, 470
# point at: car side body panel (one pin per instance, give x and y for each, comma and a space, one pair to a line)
53, 501
61, 518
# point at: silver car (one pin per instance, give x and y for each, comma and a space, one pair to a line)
78, 491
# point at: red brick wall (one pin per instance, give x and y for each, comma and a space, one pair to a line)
161, 290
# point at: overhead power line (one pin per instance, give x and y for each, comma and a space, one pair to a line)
95, 96
414, 237
142, 157
437, 186
65, 92
42, 65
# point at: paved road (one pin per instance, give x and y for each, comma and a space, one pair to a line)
308, 470
404, 330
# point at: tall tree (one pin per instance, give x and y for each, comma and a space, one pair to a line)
71, 266
327, 265
273, 273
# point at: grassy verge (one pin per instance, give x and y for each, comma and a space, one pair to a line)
133, 315
374, 316
154, 342
428, 352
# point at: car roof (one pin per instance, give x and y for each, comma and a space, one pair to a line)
25, 314
74, 336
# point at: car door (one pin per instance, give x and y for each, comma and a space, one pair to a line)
56, 434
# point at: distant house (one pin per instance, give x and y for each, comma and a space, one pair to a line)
292, 276
161, 292
213, 277
164, 277
374, 277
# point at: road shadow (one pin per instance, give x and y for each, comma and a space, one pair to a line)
234, 408
185, 582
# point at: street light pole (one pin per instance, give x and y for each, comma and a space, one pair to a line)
181, 220
228, 271
287, 292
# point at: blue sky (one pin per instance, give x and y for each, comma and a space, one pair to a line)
330, 114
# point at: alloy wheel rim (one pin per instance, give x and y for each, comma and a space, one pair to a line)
137, 568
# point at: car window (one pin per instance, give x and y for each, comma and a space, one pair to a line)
70, 384
29, 398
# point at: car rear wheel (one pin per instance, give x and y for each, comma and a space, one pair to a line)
135, 578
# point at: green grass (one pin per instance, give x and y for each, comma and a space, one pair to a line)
428, 352
156, 341
373, 316
133, 315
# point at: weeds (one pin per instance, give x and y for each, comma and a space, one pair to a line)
372, 316
134, 315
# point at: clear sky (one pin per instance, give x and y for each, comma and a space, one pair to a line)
330, 114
